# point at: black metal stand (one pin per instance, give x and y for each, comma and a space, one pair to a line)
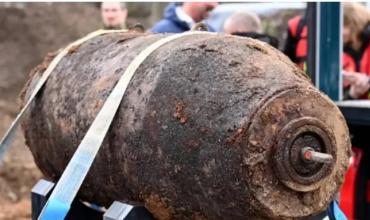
80, 211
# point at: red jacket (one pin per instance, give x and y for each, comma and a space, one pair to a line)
296, 48
349, 62
357, 62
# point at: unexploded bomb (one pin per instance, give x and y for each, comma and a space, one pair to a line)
211, 126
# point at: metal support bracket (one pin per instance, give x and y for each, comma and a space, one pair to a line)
117, 211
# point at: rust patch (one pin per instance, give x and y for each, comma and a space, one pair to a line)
180, 114
236, 137
158, 207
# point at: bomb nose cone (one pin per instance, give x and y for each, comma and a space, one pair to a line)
299, 167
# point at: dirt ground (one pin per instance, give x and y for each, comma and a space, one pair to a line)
18, 174
28, 34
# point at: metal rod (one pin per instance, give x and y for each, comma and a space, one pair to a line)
309, 154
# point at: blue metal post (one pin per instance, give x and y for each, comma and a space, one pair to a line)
329, 49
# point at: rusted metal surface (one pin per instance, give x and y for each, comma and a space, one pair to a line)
211, 127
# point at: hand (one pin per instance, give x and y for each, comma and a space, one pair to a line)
350, 77
359, 84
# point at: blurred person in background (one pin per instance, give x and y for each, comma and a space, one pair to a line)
113, 15
356, 51
296, 42
248, 24
356, 48
242, 22
181, 16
